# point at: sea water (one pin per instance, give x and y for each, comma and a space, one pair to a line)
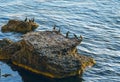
98, 21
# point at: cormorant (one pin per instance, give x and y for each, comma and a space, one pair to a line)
29, 20
33, 20
67, 34
59, 30
54, 27
25, 19
81, 37
75, 36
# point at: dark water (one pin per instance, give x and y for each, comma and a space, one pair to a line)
98, 21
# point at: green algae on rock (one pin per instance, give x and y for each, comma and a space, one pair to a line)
19, 26
48, 53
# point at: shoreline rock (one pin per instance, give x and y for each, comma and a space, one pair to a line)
48, 53
19, 26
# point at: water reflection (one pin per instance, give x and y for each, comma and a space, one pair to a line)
27, 76
8, 75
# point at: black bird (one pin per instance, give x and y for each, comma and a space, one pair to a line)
75, 36
81, 37
59, 30
29, 20
32, 19
25, 19
67, 34
54, 27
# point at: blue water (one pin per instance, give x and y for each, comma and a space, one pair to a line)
98, 21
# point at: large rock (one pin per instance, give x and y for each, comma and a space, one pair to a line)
19, 26
48, 53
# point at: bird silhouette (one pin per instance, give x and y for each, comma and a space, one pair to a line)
25, 19
32, 19
75, 36
59, 30
67, 34
29, 20
81, 37
54, 28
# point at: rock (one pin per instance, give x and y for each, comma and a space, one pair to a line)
19, 26
3, 43
48, 53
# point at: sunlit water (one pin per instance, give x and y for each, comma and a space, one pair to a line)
98, 21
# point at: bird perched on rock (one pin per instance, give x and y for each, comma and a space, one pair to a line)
75, 36
81, 37
59, 30
25, 19
32, 19
54, 28
67, 34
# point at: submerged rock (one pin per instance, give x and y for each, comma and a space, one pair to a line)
6, 75
48, 53
19, 26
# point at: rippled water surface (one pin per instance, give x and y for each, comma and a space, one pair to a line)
98, 21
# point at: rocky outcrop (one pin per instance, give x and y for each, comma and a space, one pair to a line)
48, 53
19, 26
3, 43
